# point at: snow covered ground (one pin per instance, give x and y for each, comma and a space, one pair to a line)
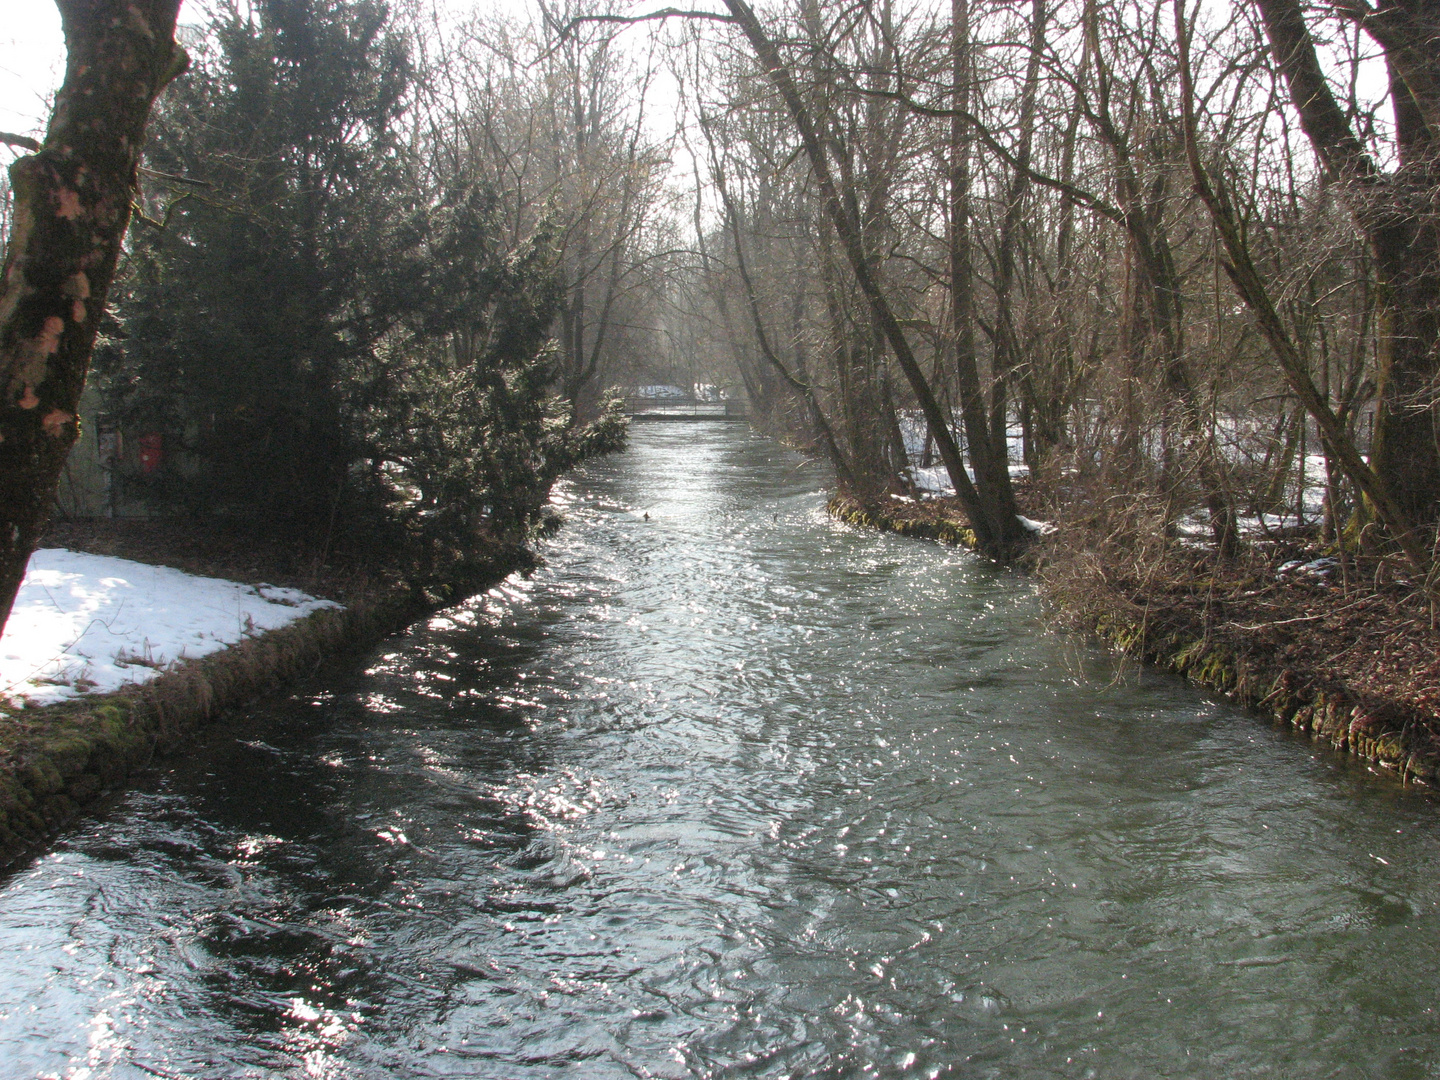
934, 479
92, 624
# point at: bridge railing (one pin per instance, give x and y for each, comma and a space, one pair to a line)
685, 409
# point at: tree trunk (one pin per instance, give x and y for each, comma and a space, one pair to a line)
1396, 212
72, 207
1252, 289
992, 468
998, 533
1159, 289
1007, 337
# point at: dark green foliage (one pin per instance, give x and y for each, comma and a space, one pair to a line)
461, 434
336, 336
243, 311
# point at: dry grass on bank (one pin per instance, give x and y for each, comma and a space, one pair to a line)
1355, 627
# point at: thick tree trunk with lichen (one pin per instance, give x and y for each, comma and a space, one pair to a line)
1404, 231
72, 205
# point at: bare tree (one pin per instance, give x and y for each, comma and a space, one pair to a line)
1397, 213
1396, 493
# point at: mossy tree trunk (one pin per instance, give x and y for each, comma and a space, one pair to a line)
72, 202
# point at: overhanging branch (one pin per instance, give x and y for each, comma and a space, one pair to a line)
565, 30
22, 141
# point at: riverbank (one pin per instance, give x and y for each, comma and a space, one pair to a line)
1346, 652
58, 760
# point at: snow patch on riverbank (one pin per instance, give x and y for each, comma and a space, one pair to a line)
94, 624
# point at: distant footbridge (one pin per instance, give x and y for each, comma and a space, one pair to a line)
640, 408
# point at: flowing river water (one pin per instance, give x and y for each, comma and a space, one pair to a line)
730, 790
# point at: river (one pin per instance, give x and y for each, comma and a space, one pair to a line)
726, 789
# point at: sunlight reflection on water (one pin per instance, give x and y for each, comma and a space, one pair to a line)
735, 791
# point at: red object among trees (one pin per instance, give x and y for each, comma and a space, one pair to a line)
152, 452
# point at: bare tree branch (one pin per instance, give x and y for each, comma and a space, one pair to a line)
22, 141
1251, 288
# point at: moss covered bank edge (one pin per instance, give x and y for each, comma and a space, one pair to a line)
1385, 733
58, 760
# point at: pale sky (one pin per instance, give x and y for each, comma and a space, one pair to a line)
32, 58
32, 54
32, 62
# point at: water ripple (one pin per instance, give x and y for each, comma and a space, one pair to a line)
733, 791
